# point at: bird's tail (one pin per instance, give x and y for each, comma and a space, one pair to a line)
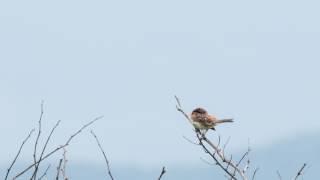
224, 121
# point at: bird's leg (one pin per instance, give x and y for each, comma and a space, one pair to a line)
203, 133
197, 130
200, 132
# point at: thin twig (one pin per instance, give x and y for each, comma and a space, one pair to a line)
34, 175
44, 147
246, 167
17, 155
104, 154
179, 108
254, 173
207, 162
190, 141
162, 172
58, 169
178, 101
219, 139
243, 156
279, 175
58, 148
229, 162
45, 172
225, 144
300, 171
63, 169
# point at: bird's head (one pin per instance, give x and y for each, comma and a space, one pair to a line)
199, 111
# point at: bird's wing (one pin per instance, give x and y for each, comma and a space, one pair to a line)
210, 120
205, 119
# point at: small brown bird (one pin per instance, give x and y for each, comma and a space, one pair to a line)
201, 120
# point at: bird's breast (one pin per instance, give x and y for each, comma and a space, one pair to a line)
199, 125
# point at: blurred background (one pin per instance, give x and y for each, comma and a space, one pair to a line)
257, 62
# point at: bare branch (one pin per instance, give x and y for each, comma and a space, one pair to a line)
254, 173
19, 151
58, 148
178, 101
243, 156
104, 154
63, 169
279, 175
223, 159
225, 144
45, 172
246, 167
162, 172
83, 127
190, 141
36, 143
207, 162
44, 148
214, 157
179, 108
58, 169
229, 162
219, 140
300, 171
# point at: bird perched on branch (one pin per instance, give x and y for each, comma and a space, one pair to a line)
201, 120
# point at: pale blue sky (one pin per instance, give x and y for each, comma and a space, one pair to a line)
257, 62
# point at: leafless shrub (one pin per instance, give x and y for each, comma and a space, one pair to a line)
39, 157
233, 169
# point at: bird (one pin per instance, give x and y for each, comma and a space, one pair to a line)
202, 121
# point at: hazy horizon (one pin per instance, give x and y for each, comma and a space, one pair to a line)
268, 159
